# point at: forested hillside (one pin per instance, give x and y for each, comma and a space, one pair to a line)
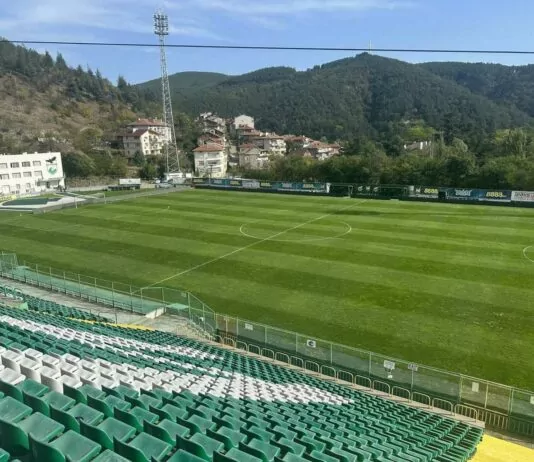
366, 95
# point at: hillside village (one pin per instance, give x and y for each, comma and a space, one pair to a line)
224, 143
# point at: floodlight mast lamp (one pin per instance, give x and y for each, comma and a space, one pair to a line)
172, 160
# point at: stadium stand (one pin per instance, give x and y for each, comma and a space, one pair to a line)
50, 307
77, 391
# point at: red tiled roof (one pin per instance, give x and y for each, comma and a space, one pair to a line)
209, 148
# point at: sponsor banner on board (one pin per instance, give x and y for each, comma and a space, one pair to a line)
426, 192
523, 196
495, 196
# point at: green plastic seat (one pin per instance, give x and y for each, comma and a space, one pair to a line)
230, 438
53, 398
200, 445
70, 446
166, 430
235, 455
290, 457
287, 445
107, 431
12, 410
196, 424
112, 403
143, 448
4, 455
260, 449
183, 456
72, 417
169, 411
109, 456
136, 417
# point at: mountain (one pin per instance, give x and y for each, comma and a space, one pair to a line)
186, 81
363, 95
46, 105
508, 85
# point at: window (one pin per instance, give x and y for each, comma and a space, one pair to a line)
38, 174
17, 187
27, 174
36, 163
4, 176
14, 165
16, 175
26, 164
3, 165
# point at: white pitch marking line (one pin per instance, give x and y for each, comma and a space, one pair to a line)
525, 251
251, 245
312, 239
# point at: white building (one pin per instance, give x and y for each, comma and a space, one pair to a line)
274, 144
147, 142
30, 173
243, 121
154, 125
211, 160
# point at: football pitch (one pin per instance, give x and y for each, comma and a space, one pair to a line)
450, 286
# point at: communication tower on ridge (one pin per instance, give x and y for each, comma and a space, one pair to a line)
172, 160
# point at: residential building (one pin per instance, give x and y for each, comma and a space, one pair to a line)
147, 142
211, 160
253, 157
154, 125
30, 173
323, 151
272, 143
243, 121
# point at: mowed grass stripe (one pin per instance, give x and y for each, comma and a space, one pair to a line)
445, 288
414, 336
457, 267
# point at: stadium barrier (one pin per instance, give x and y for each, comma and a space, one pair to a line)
499, 406
424, 193
115, 295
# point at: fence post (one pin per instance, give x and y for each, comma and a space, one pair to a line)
461, 389
113, 293
296, 343
370, 359
131, 298
79, 285
331, 353
95, 291
50, 273
64, 282
237, 328
204, 315
37, 272
265, 329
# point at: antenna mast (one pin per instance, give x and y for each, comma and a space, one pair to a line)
172, 160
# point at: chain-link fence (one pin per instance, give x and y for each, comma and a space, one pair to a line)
113, 294
500, 406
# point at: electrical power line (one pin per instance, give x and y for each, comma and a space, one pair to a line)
275, 48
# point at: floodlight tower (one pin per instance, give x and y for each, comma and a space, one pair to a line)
172, 160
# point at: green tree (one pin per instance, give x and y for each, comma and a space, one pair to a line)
77, 164
138, 159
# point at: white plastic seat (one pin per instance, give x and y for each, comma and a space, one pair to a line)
33, 354
30, 369
10, 376
51, 378
11, 360
68, 369
50, 361
72, 382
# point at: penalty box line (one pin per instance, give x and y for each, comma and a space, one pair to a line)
233, 252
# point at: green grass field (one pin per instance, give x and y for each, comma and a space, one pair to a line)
443, 285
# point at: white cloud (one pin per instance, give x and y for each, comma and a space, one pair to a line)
288, 7
44, 17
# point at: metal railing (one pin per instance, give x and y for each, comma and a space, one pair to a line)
500, 406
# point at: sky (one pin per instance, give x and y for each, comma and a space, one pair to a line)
429, 24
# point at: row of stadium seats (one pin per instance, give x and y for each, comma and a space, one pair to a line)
77, 391
50, 307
